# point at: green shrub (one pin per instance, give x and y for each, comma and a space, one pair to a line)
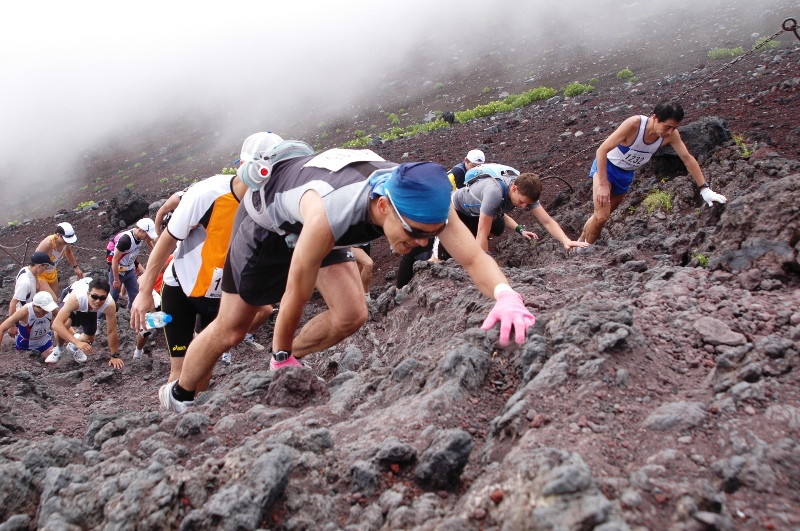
338, 130
438, 86
725, 53
229, 171
84, 204
98, 187
439, 96
594, 80
575, 89
658, 200
700, 258
401, 111
771, 45
126, 177
744, 150
511, 66
82, 188
321, 125
625, 73
324, 136
373, 127
164, 180
508, 104
129, 185
485, 90
393, 118
360, 133
13, 224
137, 165
144, 154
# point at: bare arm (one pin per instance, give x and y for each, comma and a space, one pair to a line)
169, 205
115, 267
484, 227
73, 261
15, 318
512, 224
554, 229
314, 243
155, 264
483, 270
674, 140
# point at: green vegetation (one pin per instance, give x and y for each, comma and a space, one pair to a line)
439, 96
338, 130
13, 224
164, 180
485, 90
771, 45
393, 118
658, 200
229, 171
725, 53
360, 133
508, 104
625, 73
401, 111
190, 159
137, 165
129, 185
119, 171
98, 187
84, 187
144, 154
700, 258
84, 204
511, 66
594, 80
324, 136
744, 150
321, 125
576, 89
438, 86
126, 177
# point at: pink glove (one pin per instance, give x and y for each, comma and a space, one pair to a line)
509, 310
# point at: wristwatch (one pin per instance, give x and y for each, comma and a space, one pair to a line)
704, 185
115, 355
281, 355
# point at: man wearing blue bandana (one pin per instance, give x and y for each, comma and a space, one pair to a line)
293, 232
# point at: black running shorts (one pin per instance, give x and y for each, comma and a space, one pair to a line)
257, 265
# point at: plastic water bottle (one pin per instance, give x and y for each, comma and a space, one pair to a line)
157, 319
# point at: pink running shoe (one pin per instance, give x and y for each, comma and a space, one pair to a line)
291, 361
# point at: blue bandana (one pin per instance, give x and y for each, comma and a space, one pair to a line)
420, 191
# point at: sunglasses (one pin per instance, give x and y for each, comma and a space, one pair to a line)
414, 233
98, 297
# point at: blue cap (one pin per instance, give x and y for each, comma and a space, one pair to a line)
421, 191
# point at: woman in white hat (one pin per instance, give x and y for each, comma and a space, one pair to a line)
57, 246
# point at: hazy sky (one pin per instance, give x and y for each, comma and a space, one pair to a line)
75, 73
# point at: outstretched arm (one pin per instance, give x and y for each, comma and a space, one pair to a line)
155, 264
709, 195
555, 230
9, 323
516, 227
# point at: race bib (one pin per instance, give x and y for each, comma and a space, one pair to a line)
38, 333
636, 158
336, 159
215, 288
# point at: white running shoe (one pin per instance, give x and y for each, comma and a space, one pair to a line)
226, 358
250, 341
168, 401
77, 354
137, 354
54, 356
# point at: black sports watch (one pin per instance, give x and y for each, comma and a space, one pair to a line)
704, 185
281, 355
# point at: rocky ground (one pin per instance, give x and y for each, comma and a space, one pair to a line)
658, 389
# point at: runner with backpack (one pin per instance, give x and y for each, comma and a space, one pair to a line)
123, 251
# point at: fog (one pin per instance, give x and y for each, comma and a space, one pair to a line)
75, 74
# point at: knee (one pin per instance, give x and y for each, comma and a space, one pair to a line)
601, 216
349, 323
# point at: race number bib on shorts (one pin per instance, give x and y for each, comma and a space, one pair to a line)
215, 288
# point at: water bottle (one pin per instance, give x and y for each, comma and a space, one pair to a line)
156, 319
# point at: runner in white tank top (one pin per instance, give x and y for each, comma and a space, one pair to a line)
630, 146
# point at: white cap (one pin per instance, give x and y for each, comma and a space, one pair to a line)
257, 144
66, 230
476, 156
147, 225
44, 301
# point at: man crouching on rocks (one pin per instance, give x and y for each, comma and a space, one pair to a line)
293, 232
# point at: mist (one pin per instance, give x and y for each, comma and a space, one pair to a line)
80, 74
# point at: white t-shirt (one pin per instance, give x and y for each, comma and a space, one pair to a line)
25, 287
